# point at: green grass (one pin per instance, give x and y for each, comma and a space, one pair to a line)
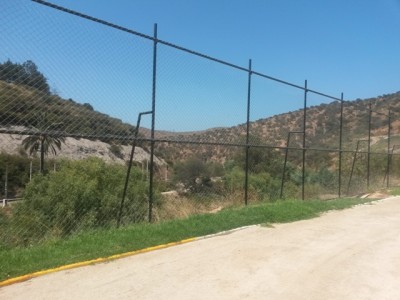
102, 243
395, 191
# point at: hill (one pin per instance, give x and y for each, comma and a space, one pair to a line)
23, 106
90, 133
322, 129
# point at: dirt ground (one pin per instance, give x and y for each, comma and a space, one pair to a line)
350, 254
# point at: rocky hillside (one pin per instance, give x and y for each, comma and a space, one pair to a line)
323, 123
82, 148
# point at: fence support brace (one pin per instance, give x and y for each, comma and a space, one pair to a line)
130, 166
285, 161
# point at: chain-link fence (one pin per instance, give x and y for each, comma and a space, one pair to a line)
102, 126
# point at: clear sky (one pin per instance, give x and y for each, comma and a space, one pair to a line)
349, 46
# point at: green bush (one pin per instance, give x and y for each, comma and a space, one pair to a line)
117, 150
234, 179
266, 187
17, 168
82, 195
196, 175
263, 185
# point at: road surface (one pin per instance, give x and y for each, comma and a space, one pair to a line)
350, 254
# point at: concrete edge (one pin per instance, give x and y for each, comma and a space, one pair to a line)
225, 232
91, 262
26, 277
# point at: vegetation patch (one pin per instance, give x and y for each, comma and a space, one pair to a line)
82, 195
395, 191
102, 242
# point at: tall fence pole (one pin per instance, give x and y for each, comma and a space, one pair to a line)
284, 165
388, 150
246, 179
369, 143
153, 115
304, 140
340, 146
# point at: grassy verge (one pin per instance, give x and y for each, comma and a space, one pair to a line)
101, 243
395, 191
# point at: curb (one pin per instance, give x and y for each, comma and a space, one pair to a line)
225, 232
114, 257
91, 262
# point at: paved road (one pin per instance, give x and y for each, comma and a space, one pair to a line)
351, 254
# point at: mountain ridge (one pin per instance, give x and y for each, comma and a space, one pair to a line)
322, 127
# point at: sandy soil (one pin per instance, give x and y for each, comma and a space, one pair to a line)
351, 254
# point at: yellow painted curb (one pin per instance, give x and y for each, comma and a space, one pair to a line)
90, 262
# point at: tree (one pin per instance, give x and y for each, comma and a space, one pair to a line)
260, 159
88, 106
34, 78
43, 140
25, 74
190, 170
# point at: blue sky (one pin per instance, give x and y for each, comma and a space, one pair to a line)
338, 46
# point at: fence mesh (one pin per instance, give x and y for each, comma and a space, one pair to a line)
72, 89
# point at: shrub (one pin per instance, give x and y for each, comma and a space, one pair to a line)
266, 187
196, 175
234, 180
82, 195
117, 150
17, 168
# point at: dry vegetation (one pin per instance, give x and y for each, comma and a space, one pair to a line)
322, 129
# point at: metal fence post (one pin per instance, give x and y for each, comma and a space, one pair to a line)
246, 179
369, 143
304, 140
284, 165
388, 150
340, 145
153, 111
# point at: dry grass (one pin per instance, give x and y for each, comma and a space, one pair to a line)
176, 206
